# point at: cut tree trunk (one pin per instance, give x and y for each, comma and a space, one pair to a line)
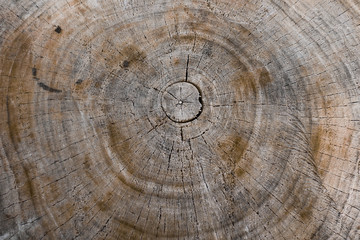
186, 119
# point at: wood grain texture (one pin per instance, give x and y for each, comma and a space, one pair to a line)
163, 119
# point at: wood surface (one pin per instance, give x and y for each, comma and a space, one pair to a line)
160, 119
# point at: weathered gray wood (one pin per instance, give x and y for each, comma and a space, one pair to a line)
181, 102
179, 119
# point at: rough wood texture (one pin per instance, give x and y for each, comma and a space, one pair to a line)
134, 119
181, 102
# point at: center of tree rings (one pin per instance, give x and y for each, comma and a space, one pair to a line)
182, 102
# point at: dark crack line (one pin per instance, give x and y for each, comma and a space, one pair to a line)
188, 95
49, 89
173, 96
182, 134
187, 68
171, 151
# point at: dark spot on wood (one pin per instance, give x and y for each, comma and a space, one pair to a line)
126, 64
207, 51
58, 29
82, 85
103, 206
49, 89
79, 81
240, 172
208, 4
306, 212
132, 55
34, 71
86, 162
176, 61
98, 84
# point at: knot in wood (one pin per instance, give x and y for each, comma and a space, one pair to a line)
182, 102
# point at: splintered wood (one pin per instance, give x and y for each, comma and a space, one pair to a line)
179, 119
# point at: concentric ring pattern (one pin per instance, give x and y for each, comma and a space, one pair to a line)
189, 120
